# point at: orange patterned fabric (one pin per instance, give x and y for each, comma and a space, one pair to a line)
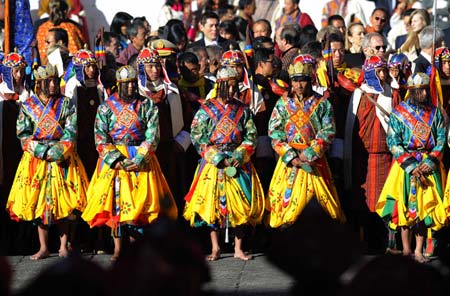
76, 40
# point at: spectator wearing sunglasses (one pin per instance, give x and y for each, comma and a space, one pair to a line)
378, 21
423, 62
374, 44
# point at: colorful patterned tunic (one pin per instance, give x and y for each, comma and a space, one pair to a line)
50, 182
414, 136
218, 132
127, 130
294, 127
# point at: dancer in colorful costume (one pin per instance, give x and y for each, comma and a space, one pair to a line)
226, 191
412, 195
128, 187
301, 128
50, 182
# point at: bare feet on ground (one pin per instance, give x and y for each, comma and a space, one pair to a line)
239, 254
215, 254
42, 254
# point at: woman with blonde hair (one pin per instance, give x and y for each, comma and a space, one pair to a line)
354, 37
419, 19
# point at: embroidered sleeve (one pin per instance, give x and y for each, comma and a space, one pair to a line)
245, 150
278, 135
62, 148
201, 128
438, 131
25, 127
324, 134
151, 136
103, 123
395, 133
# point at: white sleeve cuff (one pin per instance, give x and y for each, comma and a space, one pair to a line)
184, 139
337, 148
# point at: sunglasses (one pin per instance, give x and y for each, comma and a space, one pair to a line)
378, 47
377, 18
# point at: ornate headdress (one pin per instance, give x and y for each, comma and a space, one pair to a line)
82, 58
226, 74
10, 61
232, 57
369, 75
148, 55
399, 60
418, 80
302, 66
125, 74
441, 54
48, 71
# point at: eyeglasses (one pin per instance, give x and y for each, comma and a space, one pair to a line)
378, 47
377, 18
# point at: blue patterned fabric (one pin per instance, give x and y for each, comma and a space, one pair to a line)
23, 30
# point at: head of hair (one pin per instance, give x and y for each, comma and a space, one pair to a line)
223, 10
335, 17
262, 55
187, 57
196, 50
307, 33
313, 48
58, 11
334, 38
368, 37
321, 35
108, 36
243, 3
290, 34
133, 28
423, 14
60, 35
266, 23
208, 15
230, 27
426, 37
258, 42
295, 2
120, 19
380, 9
174, 31
214, 53
407, 12
140, 19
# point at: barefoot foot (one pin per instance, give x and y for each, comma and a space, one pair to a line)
241, 255
63, 253
215, 254
420, 258
42, 254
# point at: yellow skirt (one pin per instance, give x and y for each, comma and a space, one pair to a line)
47, 190
292, 188
405, 203
214, 196
119, 196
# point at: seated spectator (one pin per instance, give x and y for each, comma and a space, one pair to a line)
355, 35
119, 24
137, 33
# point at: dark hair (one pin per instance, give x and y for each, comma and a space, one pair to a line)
60, 35
381, 9
295, 2
335, 38
120, 19
187, 57
230, 27
107, 37
266, 22
224, 9
132, 29
307, 33
58, 11
241, 25
335, 17
173, 31
208, 15
243, 3
313, 48
258, 42
291, 35
209, 5
262, 55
